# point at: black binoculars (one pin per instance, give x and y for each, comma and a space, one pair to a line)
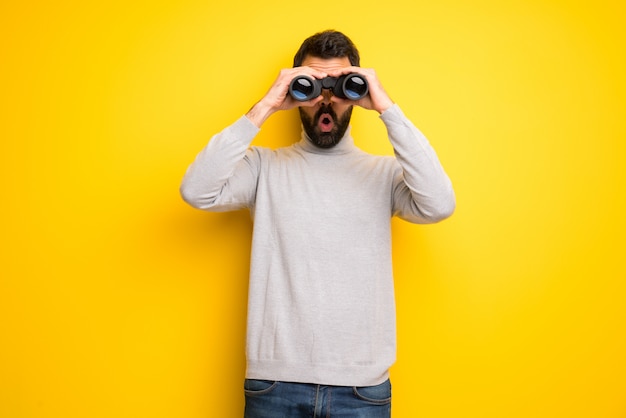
351, 86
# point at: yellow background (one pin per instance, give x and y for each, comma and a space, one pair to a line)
118, 300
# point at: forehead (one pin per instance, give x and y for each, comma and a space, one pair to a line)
326, 64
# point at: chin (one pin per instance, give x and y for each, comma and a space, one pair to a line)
325, 140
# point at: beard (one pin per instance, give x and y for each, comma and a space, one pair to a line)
319, 137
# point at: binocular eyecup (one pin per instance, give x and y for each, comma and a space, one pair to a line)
351, 86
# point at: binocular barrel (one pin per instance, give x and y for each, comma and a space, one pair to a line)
351, 86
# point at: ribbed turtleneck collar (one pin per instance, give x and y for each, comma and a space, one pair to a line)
344, 146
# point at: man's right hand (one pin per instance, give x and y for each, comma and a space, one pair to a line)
278, 97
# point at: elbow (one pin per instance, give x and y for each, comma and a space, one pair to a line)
188, 196
192, 197
445, 207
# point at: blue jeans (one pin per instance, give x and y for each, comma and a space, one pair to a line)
267, 399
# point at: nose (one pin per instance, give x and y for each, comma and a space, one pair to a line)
327, 94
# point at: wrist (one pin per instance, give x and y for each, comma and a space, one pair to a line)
259, 113
382, 107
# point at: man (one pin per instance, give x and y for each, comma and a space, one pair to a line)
321, 314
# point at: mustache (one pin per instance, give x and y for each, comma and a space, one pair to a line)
324, 108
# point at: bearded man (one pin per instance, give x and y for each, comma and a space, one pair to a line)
321, 333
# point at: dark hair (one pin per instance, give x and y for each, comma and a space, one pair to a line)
327, 44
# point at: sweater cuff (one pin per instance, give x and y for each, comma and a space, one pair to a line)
244, 127
392, 113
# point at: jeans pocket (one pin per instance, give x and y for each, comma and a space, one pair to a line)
378, 394
254, 387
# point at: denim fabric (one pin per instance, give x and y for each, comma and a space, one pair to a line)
268, 399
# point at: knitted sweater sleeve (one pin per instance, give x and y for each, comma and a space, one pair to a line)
422, 191
223, 176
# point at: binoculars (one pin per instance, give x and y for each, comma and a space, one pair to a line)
351, 86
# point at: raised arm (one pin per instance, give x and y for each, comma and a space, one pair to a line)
223, 162
423, 192
223, 175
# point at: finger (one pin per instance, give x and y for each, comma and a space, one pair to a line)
291, 103
304, 70
312, 102
348, 70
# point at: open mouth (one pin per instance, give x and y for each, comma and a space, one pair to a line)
325, 122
